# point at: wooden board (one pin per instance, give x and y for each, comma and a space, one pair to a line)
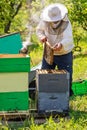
14, 115
48, 53
12, 55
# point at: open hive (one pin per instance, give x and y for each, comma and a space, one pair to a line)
52, 90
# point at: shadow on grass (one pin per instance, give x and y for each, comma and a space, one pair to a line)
80, 55
76, 115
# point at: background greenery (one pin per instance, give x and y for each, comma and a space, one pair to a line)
23, 16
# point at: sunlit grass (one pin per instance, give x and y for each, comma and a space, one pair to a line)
36, 55
80, 63
77, 119
80, 68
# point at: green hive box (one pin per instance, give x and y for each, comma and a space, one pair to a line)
14, 63
14, 83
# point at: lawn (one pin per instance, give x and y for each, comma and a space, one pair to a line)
77, 119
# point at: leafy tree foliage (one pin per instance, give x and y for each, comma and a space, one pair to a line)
78, 11
78, 16
8, 10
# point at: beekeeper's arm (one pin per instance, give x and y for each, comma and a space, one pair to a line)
40, 32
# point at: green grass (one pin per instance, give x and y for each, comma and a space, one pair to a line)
80, 63
36, 54
77, 119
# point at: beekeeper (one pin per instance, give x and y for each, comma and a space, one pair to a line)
55, 28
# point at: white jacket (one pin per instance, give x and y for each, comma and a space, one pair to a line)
64, 37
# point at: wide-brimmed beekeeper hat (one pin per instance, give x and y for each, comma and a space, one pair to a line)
54, 12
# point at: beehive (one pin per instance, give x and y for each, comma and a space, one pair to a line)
14, 70
52, 91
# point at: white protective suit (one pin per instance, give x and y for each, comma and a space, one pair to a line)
62, 34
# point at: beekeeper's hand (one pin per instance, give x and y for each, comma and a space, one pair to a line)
23, 51
43, 39
57, 47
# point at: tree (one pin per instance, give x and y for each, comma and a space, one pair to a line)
78, 17
8, 10
78, 12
